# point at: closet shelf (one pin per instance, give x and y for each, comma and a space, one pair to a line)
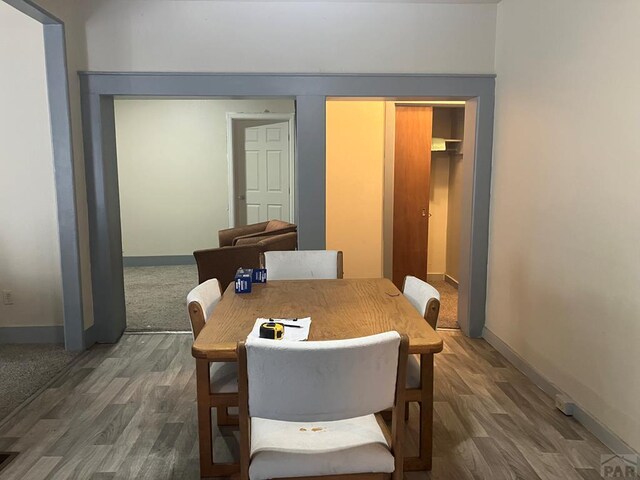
442, 144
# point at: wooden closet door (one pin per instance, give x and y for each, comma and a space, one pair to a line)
412, 170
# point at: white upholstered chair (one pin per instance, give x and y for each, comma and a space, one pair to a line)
424, 298
201, 302
302, 264
308, 408
426, 301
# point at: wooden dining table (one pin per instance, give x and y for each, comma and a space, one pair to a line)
339, 309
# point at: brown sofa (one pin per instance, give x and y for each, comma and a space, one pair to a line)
231, 236
222, 263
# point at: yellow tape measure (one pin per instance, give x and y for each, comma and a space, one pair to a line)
272, 330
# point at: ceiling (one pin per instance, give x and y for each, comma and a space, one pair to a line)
378, 1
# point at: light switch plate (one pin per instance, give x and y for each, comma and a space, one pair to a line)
7, 297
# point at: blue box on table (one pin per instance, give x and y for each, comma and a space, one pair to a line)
259, 275
243, 280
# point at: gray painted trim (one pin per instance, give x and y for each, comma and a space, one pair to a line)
60, 118
52, 334
598, 429
90, 336
286, 85
474, 213
158, 261
311, 91
55, 53
311, 171
34, 11
479, 219
104, 218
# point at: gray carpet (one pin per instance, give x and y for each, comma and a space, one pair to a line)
156, 297
25, 369
448, 316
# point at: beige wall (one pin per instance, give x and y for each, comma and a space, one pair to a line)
454, 212
355, 156
387, 208
172, 171
438, 206
445, 200
29, 245
564, 259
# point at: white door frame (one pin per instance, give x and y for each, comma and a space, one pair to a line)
231, 117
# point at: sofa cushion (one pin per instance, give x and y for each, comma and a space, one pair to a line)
249, 240
277, 225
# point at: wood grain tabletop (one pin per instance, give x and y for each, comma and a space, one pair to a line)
338, 309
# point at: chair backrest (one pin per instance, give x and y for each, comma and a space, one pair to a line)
321, 381
423, 297
201, 301
222, 263
303, 264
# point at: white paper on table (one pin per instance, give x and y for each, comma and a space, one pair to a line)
290, 333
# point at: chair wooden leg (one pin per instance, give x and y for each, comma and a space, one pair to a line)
386, 415
243, 412
205, 433
426, 410
425, 448
205, 430
224, 418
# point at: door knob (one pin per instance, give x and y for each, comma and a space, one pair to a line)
424, 212
242, 197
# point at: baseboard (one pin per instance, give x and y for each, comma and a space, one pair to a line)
599, 430
521, 364
435, 277
158, 261
89, 336
50, 334
451, 281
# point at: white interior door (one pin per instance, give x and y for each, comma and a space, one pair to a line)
262, 178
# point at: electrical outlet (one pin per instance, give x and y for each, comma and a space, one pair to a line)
7, 297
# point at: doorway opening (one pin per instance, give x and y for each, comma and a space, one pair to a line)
398, 164
260, 152
179, 184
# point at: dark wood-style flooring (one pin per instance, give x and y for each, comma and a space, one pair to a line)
127, 411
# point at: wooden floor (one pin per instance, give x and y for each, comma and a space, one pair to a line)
128, 411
